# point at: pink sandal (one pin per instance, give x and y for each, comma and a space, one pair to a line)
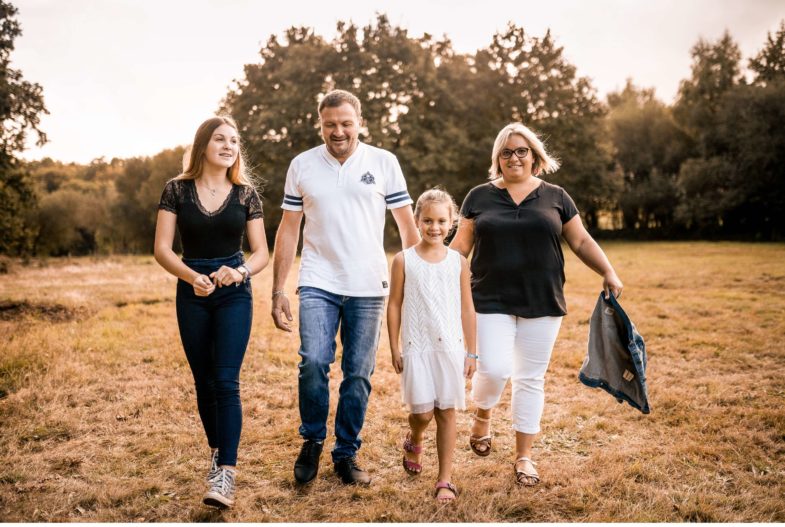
411, 468
445, 485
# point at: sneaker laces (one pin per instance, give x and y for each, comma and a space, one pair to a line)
223, 482
213, 473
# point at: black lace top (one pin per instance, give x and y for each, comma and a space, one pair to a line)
210, 234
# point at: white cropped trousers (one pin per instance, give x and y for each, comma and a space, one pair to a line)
520, 348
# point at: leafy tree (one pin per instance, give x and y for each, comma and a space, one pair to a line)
21, 103
71, 222
411, 106
138, 188
769, 63
708, 181
275, 106
648, 148
735, 185
438, 111
751, 121
528, 79
715, 71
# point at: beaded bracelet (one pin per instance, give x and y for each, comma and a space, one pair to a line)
472, 355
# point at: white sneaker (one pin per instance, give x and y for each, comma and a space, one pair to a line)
221, 493
213, 466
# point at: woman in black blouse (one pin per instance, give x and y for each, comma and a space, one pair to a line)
212, 203
514, 224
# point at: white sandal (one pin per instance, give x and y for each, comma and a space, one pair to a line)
524, 478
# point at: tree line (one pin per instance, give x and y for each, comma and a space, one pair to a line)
709, 166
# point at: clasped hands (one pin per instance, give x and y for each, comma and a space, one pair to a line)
204, 285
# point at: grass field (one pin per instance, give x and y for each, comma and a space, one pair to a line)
98, 418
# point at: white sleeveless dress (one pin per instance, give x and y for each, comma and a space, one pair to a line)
432, 345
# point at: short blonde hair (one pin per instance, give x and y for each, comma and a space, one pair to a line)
436, 195
543, 162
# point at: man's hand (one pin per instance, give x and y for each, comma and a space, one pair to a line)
281, 313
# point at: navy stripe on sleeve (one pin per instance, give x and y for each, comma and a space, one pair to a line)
295, 199
392, 198
405, 197
292, 203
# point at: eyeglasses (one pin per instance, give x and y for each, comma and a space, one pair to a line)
520, 153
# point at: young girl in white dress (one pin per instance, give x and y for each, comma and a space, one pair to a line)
431, 310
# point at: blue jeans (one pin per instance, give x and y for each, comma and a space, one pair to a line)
360, 320
215, 330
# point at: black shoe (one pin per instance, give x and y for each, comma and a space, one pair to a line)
307, 465
350, 473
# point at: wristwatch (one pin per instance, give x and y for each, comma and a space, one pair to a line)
243, 270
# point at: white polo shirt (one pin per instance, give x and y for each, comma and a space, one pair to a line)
344, 206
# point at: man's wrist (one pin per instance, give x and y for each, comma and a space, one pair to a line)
278, 292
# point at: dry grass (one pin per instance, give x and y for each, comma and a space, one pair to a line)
98, 418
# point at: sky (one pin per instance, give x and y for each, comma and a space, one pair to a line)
126, 78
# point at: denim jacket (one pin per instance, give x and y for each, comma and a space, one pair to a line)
616, 358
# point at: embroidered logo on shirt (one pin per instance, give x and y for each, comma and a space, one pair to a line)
384, 285
628, 375
368, 179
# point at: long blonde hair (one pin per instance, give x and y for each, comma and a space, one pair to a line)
193, 158
542, 162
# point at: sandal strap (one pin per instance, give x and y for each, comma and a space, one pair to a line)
522, 475
481, 419
480, 439
446, 485
412, 465
411, 447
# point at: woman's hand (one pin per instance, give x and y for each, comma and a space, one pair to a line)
612, 283
203, 286
397, 361
226, 276
469, 367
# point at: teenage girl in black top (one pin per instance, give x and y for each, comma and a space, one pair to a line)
515, 224
212, 203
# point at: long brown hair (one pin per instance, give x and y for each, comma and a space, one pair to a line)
193, 160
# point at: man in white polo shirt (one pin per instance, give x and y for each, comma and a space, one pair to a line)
343, 188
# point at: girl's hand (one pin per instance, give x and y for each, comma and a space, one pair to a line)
203, 286
226, 276
397, 361
612, 283
469, 367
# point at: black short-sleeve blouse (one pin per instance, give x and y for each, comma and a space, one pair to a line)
518, 265
210, 234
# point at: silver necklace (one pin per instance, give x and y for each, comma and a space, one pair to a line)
212, 190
